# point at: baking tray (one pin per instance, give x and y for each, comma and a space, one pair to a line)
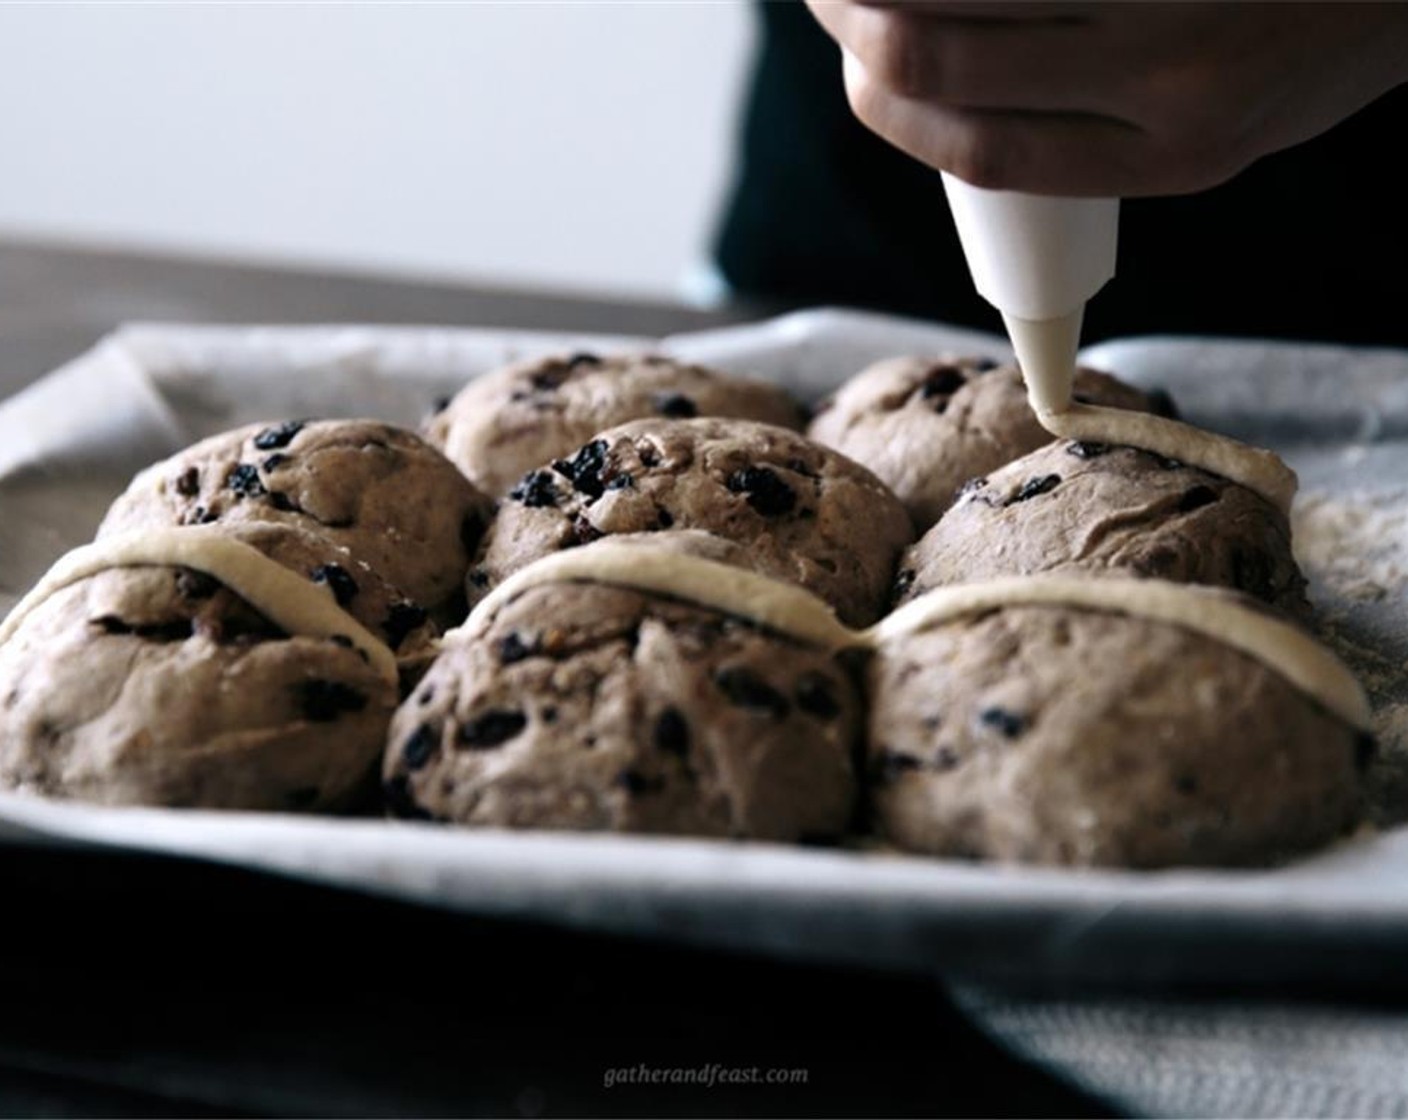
69, 443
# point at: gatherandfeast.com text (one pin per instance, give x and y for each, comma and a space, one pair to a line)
706, 1076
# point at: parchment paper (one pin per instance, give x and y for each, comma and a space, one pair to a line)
70, 442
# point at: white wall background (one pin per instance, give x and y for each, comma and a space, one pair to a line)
579, 145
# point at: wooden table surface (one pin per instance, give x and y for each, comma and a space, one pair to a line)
57, 300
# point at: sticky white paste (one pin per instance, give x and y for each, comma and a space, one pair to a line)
294, 604
1258, 470
1214, 612
770, 603
1211, 611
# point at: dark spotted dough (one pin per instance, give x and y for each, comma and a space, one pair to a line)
514, 419
1099, 510
159, 686
381, 492
1059, 736
925, 427
597, 708
804, 513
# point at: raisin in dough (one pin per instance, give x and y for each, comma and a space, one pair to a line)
514, 419
589, 707
804, 513
1067, 735
925, 427
1100, 510
384, 494
158, 686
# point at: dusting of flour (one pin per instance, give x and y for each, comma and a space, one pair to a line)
1356, 544
1353, 548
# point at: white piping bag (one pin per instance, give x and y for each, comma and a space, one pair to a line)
1038, 259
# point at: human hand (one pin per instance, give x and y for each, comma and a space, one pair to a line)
1110, 98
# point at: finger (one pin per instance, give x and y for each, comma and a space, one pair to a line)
1038, 66
1043, 153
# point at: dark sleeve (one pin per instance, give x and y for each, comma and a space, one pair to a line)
1305, 244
